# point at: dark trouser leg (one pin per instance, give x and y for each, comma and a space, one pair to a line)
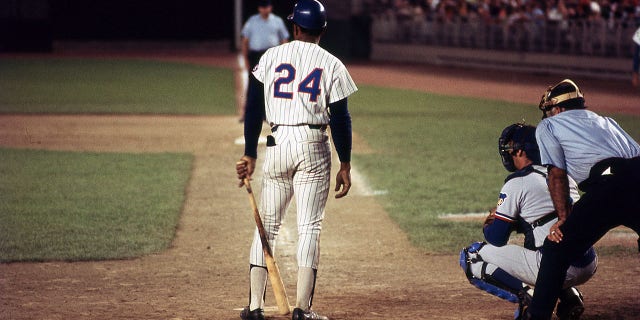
591, 218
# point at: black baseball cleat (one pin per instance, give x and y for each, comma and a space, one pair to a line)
257, 314
299, 314
570, 306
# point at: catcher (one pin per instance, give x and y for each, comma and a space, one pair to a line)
524, 205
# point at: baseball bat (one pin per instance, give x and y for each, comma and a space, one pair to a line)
272, 268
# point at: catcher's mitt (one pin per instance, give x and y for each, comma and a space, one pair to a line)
489, 219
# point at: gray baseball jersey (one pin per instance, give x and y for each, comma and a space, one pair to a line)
528, 197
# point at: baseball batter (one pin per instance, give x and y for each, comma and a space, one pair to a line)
305, 91
525, 205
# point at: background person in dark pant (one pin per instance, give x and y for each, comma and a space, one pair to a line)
605, 161
261, 32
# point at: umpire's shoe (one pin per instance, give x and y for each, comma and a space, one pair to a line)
299, 314
524, 299
257, 314
570, 306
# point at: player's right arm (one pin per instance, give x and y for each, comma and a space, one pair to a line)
498, 232
552, 156
254, 115
559, 189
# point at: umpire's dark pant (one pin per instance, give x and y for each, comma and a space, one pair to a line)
609, 201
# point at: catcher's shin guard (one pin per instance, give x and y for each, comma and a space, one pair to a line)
487, 282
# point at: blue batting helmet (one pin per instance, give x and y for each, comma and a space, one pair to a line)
309, 14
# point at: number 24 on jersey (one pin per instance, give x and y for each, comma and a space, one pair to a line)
310, 85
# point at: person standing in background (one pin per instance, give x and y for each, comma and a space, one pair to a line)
261, 32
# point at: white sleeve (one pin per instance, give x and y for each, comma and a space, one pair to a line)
342, 85
509, 203
636, 37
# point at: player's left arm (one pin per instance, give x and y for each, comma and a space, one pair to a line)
340, 123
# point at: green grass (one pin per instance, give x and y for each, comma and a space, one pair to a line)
436, 154
88, 206
113, 86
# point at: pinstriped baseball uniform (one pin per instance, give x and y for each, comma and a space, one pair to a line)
300, 81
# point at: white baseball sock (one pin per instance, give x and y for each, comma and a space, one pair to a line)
305, 287
258, 287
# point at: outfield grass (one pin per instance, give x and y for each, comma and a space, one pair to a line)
436, 154
113, 86
88, 206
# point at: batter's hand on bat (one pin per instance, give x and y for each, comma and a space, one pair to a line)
245, 168
343, 179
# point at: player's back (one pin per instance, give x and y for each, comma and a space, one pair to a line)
300, 80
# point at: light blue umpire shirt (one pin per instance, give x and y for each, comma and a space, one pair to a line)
575, 140
264, 34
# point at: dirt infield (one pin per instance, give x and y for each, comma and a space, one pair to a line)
368, 270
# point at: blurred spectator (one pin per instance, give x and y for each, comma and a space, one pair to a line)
261, 32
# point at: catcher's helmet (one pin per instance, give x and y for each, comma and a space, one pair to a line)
518, 136
565, 94
309, 14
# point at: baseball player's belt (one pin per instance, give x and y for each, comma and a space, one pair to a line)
274, 128
545, 219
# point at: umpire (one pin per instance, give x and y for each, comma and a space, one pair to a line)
605, 161
261, 32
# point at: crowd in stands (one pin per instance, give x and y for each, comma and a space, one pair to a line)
499, 11
532, 23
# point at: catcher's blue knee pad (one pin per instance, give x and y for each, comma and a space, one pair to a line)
465, 260
482, 283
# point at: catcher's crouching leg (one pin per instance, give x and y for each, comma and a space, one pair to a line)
493, 279
488, 277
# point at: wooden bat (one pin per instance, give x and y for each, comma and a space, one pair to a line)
272, 268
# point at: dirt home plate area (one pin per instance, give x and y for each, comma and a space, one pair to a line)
368, 269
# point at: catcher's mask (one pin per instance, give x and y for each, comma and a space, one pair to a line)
518, 136
565, 94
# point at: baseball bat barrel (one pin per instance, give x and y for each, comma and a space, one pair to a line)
273, 271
